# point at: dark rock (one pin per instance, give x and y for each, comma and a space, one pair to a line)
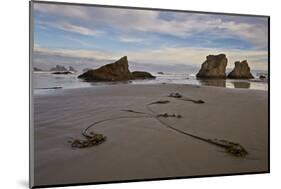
72, 69
117, 71
213, 67
37, 69
241, 71
50, 88
58, 68
62, 72
262, 77
160, 73
142, 75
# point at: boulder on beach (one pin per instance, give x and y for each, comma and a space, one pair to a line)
213, 67
160, 73
241, 71
58, 68
117, 71
142, 75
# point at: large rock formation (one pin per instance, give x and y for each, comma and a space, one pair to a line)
117, 71
213, 67
241, 71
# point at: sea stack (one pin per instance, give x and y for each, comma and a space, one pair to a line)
58, 68
213, 67
71, 69
241, 71
117, 71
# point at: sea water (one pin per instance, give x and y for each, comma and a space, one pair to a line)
47, 80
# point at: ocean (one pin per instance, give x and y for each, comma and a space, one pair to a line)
43, 81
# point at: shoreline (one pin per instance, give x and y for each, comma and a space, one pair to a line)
71, 81
140, 148
50, 90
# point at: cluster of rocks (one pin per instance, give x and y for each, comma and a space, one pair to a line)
117, 71
62, 70
37, 69
58, 68
215, 66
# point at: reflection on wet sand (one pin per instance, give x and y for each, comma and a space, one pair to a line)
241, 84
225, 83
110, 83
213, 82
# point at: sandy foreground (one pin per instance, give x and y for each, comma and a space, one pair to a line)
143, 148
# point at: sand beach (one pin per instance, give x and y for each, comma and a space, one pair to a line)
142, 147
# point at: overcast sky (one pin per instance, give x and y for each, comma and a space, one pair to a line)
157, 37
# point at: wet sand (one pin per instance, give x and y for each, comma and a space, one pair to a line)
143, 148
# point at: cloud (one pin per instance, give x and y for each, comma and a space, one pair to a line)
178, 24
196, 56
167, 56
76, 29
62, 10
129, 26
68, 27
76, 53
127, 39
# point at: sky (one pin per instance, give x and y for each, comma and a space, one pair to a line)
147, 36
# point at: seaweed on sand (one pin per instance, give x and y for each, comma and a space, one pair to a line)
232, 148
166, 115
180, 97
89, 140
92, 139
161, 102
